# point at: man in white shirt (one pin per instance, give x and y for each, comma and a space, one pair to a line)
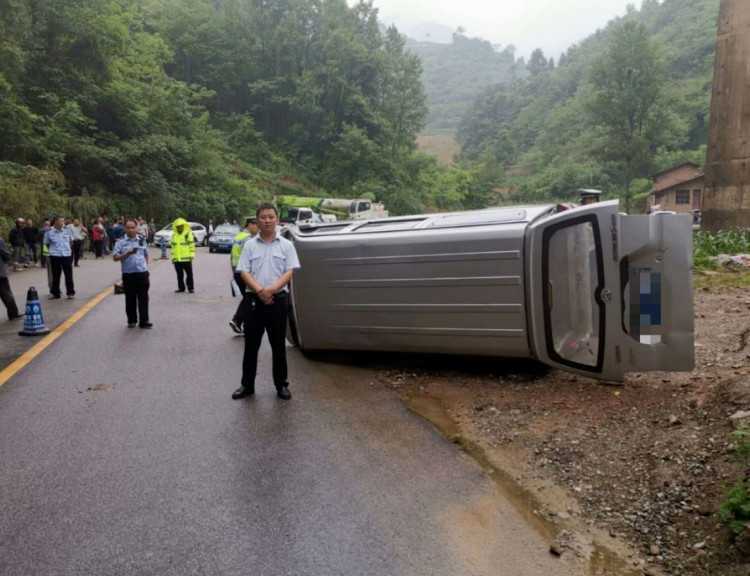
266, 267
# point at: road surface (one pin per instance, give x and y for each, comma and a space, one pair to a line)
121, 453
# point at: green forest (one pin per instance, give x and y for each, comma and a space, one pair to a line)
628, 101
455, 74
202, 108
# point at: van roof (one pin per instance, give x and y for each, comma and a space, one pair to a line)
490, 216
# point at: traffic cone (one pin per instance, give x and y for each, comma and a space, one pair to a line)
33, 323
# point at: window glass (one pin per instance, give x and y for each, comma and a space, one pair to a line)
196, 227
683, 197
364, 206
573, 280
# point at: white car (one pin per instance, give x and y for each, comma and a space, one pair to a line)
199, 233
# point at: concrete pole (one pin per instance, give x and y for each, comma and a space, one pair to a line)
726, 201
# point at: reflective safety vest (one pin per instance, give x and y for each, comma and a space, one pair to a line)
182, 244
237, 245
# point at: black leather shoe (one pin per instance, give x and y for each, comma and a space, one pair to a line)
242, 392
146, 325
178, 291
132, 324
284, 393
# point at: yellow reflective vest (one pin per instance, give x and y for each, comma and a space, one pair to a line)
182, 244
237, 245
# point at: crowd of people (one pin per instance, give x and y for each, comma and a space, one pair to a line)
26, 239
262, 264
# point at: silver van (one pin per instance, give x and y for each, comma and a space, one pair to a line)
587, 290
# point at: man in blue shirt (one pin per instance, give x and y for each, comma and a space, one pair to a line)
266, 267
132, 253
58, 241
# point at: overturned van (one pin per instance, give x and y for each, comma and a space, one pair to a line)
587, 290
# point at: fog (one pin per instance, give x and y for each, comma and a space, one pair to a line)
552, 25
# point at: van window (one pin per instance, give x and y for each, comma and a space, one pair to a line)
364, 206
573, 279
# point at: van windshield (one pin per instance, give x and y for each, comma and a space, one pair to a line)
574, 276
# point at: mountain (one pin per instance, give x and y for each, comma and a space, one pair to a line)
455, 74
547, 132
428, 32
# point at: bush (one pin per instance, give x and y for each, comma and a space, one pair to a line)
735, 510
709, 244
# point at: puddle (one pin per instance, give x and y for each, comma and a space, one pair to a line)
601, 560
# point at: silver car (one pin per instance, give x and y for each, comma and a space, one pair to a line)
587, 290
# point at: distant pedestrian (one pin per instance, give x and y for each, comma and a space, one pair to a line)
78, 234
6, 294
182, 247
98, 237
40, 239
18, 244
60, 244
31, 237
251, 229
132, 253
266, 265
109, 233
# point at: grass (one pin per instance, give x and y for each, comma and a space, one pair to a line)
713, 280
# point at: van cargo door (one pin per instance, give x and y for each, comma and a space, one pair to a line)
610, 293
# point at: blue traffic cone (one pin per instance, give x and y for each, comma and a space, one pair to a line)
33, 323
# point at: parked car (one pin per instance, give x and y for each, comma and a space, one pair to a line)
199, 233
587, 290
223, 238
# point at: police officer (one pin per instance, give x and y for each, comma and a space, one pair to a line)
250, 230
132, 253
182, 246
59, 243
266, 267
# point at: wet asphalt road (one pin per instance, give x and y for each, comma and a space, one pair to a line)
121, 453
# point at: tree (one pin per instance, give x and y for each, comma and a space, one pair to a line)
537, 62
627, 82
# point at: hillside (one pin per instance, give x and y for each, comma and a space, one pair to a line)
554, 131
454, 74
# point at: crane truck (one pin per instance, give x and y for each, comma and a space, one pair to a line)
305, 209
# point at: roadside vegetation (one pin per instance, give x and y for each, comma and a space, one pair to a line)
735, 510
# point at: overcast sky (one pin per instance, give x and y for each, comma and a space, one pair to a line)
552, 25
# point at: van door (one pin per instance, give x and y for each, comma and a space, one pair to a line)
611, 293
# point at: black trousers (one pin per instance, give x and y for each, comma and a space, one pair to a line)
271, 319
184, 274
98, 248
62, 265
33, 252
136, 285
7, 297
77, 251
245, 303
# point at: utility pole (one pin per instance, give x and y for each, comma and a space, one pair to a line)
726, 202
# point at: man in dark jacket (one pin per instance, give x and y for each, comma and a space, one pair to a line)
31, 236
5, 292
18, 244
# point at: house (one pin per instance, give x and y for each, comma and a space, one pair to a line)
678, 189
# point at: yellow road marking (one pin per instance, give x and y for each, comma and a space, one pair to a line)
22, 361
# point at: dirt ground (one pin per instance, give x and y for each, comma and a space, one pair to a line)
638, 469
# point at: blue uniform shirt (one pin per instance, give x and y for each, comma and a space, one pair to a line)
58, 242
268, 261
137, 262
